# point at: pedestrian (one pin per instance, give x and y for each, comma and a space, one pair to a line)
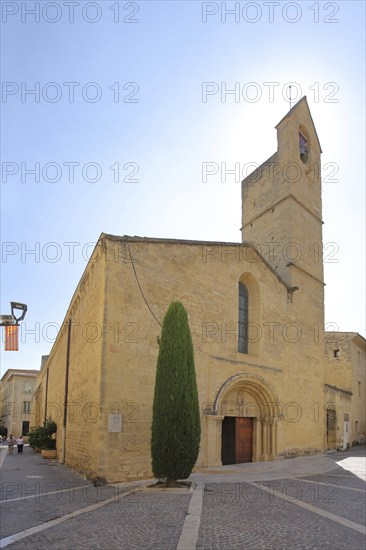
20, 444
10, 441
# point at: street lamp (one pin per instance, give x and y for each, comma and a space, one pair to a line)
6, 320
11, 324
21, 307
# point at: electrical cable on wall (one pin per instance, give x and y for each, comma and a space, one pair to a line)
139, 285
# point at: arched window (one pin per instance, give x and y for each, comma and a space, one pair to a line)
243, 319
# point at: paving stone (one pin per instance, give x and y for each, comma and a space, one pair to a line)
138, 522
331, 497
235, 515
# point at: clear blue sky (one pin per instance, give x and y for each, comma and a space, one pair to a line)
156, 56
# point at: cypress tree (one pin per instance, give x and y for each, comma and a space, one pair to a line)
176, 426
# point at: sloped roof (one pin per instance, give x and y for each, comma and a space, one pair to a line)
296, 106
135, 238
19, 372
356, 337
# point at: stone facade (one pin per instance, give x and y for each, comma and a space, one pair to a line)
98, 381
345, 377
69, 388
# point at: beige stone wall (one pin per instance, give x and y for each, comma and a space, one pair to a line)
17, 387
344, 366
358, 357
4, 398
338, 369
284, 353
80, 448
9, 413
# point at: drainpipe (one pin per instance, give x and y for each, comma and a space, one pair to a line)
46, 397
66, 393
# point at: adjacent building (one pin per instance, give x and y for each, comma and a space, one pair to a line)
345, 403
16, 391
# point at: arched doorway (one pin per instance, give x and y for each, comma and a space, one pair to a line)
249, 412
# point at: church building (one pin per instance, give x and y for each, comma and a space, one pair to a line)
256, 313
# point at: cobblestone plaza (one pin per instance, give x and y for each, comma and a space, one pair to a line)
302, 503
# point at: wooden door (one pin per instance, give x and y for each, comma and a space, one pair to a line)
243, 440
331, 429
228, 440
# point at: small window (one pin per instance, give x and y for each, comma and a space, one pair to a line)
336, 353
359, 389
28, 387
26, 407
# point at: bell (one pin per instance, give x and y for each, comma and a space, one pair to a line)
304, 156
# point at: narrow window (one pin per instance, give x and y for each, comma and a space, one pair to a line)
243, 319
336, 353
359, 389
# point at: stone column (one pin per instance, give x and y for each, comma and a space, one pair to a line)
272, 440
214, 424
264, 439
268, 439
257, 442
276, 437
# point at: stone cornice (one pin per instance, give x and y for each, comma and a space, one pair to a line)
236, 362
291, 264
270, 208
336, 388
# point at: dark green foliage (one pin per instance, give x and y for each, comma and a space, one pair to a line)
35, 437
41, 437
176, 426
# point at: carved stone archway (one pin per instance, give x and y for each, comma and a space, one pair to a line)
245, 395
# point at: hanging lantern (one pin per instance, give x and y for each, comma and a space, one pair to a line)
11, 337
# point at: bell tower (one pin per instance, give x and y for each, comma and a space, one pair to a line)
281, 202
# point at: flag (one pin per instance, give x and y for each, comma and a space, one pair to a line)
11, 338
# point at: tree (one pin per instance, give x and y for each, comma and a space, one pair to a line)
41, 436
176, 429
